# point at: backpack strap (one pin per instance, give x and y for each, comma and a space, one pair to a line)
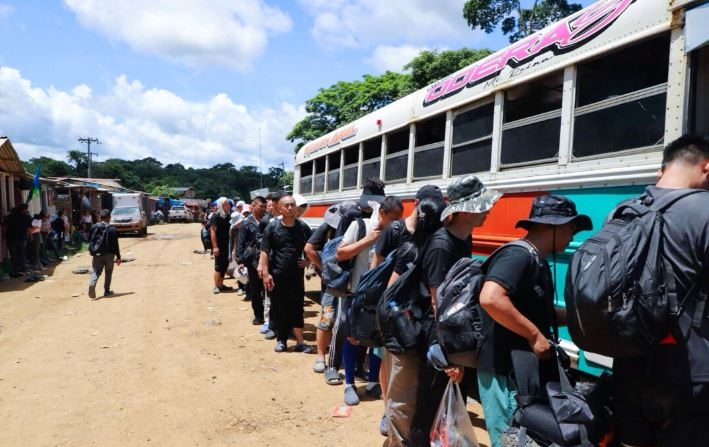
362, 230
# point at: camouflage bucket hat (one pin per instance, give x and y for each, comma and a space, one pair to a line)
469, 195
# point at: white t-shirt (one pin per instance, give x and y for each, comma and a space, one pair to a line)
361, 263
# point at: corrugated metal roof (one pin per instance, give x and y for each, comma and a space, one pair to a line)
9, 161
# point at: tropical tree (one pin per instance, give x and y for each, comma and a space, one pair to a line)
430, 66
515, 21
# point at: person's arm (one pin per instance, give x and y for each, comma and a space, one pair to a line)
263, 271
497, 303
376, 260
213, 236
113, 233
244, 236
349, 251
312, 254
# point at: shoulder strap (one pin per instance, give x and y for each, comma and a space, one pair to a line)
667, 200
362, 231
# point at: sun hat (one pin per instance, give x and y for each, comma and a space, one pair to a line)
245, 209
429, 192
301, 201
334, 213
240, 203
372, 191
554, 209
469, 195
236, 218
242, 275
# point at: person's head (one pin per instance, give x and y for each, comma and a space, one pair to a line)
43, 214
240, 205
105, 215
428, 219
302, 204
468, 202
554, 218
391, 210
61, 212
258, 207
223, 207
287, 206
372, 191
685, 162
431, 192
269, 206
276, 198
333, 215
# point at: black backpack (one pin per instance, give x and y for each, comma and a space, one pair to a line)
362, 313
97, 239
459, 327
620, 290
335, 274
58, 225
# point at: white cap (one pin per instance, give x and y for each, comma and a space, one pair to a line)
240, 203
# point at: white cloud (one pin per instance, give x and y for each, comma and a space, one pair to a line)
393, 58
192, 32
133, 122
5, 11
363, 23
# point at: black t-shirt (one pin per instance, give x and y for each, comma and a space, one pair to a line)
221, 225
442, 251
392, 238
17, 226
321, 235
285, 247
250, 235
528, 284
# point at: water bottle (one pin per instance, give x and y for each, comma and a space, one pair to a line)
405, 330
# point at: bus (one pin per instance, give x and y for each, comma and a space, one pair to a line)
581, 108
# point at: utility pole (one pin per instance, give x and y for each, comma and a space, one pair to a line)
89, 154
260, 161
283, 169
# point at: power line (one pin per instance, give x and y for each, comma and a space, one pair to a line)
89, 154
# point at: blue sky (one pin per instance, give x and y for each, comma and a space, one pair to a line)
197, 81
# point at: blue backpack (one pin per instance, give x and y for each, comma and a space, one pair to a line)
336, 275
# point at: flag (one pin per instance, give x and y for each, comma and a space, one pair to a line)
35, 187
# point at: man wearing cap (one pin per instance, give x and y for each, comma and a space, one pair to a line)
328, 301
469, 203
247, 254
517, 298
104, 259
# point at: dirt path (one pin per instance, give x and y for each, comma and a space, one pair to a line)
162, 362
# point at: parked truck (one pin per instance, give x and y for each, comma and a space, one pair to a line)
129, 213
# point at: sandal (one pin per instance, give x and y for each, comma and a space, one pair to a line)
319, 366
332, 377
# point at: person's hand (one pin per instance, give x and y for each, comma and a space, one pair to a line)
352, 340
268, 282
239, 266
215, 251
540, 346
455, 373
118, 261
302, 263
373, 236
259, 270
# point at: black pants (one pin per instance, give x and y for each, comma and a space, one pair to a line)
255, 292
287, 300
17, 254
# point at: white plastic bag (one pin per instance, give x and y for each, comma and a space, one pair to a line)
452, 426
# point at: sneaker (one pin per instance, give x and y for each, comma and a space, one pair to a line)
351, 397
319, 366
280, 347
257, 322
374, 391
108, 293
92, 292
384, 426
264, 328
269, 335
239, 292
224, 288
302, 347
216, 290
65, 258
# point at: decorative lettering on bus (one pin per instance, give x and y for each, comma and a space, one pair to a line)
329, 141
563, 37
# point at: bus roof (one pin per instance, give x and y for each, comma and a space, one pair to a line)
602, 26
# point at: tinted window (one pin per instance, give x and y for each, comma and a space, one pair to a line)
472, 157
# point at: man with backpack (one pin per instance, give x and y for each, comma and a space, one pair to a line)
662, 398
247, 254
104, 249
518, 302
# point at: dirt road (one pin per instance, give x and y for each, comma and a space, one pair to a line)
163, 362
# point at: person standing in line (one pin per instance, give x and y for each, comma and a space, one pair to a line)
248, 252
110, 253
662, 399
19, 224
219, 232
469, 203
281, 266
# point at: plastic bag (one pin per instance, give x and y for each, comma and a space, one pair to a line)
452, 426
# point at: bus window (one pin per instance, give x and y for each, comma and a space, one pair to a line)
620, 99
472, 140
319, 175
428, 154
333, 173
349, 173
372, 154
306, 178
397, 155
532, 121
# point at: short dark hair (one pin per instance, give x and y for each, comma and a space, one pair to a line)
276, 196
259, 199
391, 203
690, 149
373, 183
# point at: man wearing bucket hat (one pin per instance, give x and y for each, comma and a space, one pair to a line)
517, 297
469, 203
